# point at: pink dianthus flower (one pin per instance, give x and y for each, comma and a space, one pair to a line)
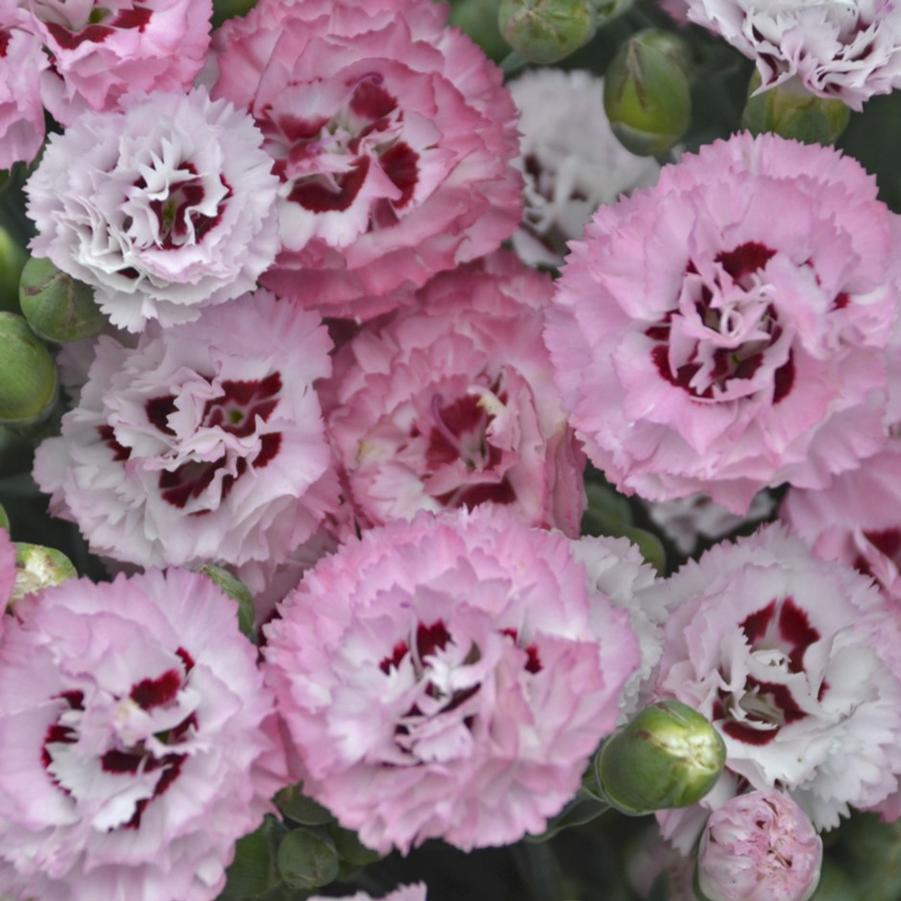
448, 678
703, 344
204, 442
137, 741
392, 136
452, 403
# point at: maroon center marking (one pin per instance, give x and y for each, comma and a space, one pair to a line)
401, 165
887, 542
371, 101
108, 437
150, 693
5, 37
335, 194
137, 18
745, 259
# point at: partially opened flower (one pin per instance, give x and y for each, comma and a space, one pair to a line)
22, 61
204, 442
448, 678
164, 209
452, 404
703, 345
857, 519
392, 136
759, 847
571, 160
797, 663
848, 50
100, 51
136, 742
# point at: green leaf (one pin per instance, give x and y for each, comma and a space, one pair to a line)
304, 811
307, 859
239, 593
608, 512
870, 852
253, 870
4, 519
350, 849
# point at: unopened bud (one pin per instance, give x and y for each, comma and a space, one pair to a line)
478, 19
27, 373
607, 10
790, 111
546, 31
667, 756
38, 568
647, 94
12, 259
58, 307
758, 846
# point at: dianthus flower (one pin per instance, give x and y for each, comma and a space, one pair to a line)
857, 519
759, 847
702, 344
448, 677
452, 404
136, 741
846, 50
204, 442
392, 137
102, 50
22, 61
164, 209
571, 160
796, 661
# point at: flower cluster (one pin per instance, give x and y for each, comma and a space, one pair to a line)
330, 439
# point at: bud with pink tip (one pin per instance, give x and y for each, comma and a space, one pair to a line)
759, 847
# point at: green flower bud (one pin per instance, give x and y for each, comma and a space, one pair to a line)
27, 373
478, 18
647, 93
546, 31
57, 307
307, 859
38, 568
607, 10
788, 110
12, 259
667, 756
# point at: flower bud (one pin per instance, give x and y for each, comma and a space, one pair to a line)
647, 93
667, 756
27, 373
57, 307
759, 846
12, 259
478, 19
789, 111
607, 10
546, 31
38, 568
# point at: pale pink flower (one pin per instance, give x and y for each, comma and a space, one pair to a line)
415, 892
702, 344
164, 209
759, 847
796, 661
571, 160
857, 519
392, 136
452, 404
137, 741
204, 442
22, 61
448, 678
689, 520
846, 50
103, 50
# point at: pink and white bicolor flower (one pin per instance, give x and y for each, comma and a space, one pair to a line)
392, 136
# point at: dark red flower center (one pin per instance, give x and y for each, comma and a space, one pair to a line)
101, 23
148, 694
768, 706
431, 638
295, 142
729, 363
5, 37
236, 410
459, 432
